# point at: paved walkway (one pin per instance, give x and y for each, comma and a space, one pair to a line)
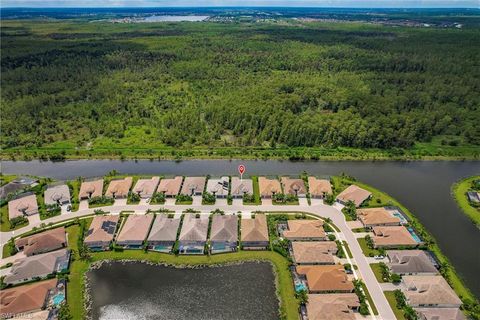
317, 208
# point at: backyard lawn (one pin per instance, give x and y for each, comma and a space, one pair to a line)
459, 190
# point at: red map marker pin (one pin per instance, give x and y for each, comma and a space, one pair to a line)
241, 170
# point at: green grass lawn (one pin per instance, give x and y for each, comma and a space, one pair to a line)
368, 252
6, 178
184, 203
348, 249
6, 250
459, 191
377, 271
75, 187
369, 298
393, 304
4, 223
256, 193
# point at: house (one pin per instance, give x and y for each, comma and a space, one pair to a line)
319, 188
439, 314
310, 252
240, 187
26, 299
429, 291
42, 242
193, 186
145, 188
101, 232
57, 195
38, 266
91, 189
170, 187
373, 217
393, 237
134, 231
325, 279
17, 185
163, 234
305, 230
119, 188
224, 233
254, 233
218, 187
355, 194
473, 196
25, 205
294, 187
333, 306
410, 262
194, 234
269, 187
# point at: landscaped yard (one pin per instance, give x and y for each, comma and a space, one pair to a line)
393, 304
4, 223
377, 271
459, 191
367, 251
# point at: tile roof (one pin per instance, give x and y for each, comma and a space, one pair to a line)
57, 194
440, 314
102, 229
42, 242
317, 187
354, 193
293, 186
164, 228
392, 236
119, 187
145, 188
240, 187
135, 228
333, 306
254, 229
224, 228
376, 216
268, 186
91, 189
304, 229
326, 278
26, 298
194, 229
218, 186
193, 183
24, 205
424, 290
314, 252
171, 187
410, 261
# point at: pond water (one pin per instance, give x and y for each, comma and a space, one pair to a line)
139, 291
422, 186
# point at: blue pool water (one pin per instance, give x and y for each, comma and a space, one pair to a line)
414, 235
58, 299
399, 216
299, 287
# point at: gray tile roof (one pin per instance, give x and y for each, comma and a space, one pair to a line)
194, 229
410, 261
224, 228
164, 228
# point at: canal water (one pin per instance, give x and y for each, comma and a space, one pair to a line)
139, 291
422, 186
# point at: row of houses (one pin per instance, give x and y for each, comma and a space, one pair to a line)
161, 232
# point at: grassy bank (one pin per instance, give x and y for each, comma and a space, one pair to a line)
459, 191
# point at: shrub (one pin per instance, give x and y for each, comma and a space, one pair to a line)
18, 221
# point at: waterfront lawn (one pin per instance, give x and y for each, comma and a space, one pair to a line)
367, 251
390, 295
74, 186
256, 193
459, 191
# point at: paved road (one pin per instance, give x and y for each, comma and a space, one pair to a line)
317, 208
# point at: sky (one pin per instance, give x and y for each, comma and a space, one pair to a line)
240, 3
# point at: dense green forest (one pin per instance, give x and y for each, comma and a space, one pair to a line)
74, 87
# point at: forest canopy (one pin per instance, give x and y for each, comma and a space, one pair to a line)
75, 84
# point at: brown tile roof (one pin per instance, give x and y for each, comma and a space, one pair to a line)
240, 187
268, 186
255, 229
24, 205
326, 278
354, 193
224, 228
193, 183
26, 298
171, 187
56, 194
425, 290
440, 314
392, 236
410, 261
164, 228
293, 186
91, 189
333, 306
99, 231
376, 216
135, 228
146, 187
194, 229
318, 187
320, 252
304, 229
119, 187
43, 242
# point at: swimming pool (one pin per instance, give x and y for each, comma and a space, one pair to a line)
400, 216
58, 299
414, 235
300, 287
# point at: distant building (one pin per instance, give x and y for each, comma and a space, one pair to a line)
57, 195
269, 187
373, 217
410, 262
254, 233
355, 194
218, 187
145, 188
163, 234
38, 266
240, 187
91, 189
193, 186
319, 188
224, 233
295, 187
193, 235
170, 187
101, 232
42, 242
305, 230
429, 291
394, 237
134, 231
332, 306
24, 205
119, 188
325, 279
311, 252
